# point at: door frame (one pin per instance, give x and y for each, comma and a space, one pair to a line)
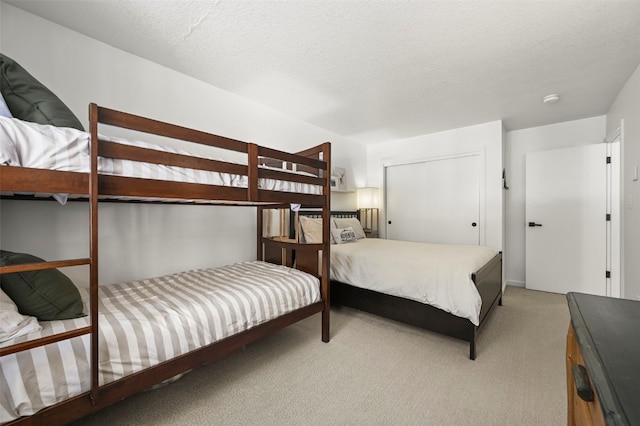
614, 245
565, 192
481, 185
615, 236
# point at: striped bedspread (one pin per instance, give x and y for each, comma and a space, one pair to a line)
143, 323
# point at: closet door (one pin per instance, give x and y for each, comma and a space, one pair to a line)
453, 201
405, 207
435, 201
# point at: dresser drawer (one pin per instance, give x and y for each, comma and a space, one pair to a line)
604, 339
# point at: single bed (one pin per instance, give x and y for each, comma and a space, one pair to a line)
146, 332
148, 322
444, 288
37, 146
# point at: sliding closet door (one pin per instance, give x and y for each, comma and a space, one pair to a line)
453, 200
435, 201
405, 207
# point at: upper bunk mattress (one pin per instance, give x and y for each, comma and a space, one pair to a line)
436, 274
39, 146
143, 323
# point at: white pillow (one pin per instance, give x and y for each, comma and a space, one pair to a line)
8, 152
12, 323
4, 109
312, 230
346, 235
353, 222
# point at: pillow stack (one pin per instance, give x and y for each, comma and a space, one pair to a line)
343, 230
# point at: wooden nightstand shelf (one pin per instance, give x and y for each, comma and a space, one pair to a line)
603, 361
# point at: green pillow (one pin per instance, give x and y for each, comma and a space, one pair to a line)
47, 294
30, 100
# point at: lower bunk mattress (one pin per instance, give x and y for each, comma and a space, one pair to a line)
143, 323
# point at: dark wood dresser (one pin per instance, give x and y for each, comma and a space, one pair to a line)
603, 361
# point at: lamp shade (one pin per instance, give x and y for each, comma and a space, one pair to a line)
367, 198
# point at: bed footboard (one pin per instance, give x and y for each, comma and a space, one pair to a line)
400, 309
488, 280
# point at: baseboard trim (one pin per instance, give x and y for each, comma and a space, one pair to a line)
516, 283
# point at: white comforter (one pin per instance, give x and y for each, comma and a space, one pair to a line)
27, 144
435, 274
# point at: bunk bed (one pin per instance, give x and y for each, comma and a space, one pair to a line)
280, 290
443, 288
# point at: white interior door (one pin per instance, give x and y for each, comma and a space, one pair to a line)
566, 245
436, 201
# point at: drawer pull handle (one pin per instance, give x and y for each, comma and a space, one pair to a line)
581, 380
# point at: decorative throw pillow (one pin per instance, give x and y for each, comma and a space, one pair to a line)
30, 100
46, 294
345, 235
12, 324
353, 222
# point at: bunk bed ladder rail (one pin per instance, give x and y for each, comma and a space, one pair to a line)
91, 261
252, 172
317, 161
30, 344
93, 250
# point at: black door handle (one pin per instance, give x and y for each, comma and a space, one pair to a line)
389, 222
473, 224
532, 224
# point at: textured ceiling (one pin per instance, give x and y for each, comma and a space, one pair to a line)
376, 71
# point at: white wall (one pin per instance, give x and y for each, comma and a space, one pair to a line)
138, 241
627, 107
518, 144
484, 138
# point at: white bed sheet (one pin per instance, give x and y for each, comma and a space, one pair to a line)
27, 144
435, 274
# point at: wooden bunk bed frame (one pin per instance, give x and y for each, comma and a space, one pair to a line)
488, 281
92, 185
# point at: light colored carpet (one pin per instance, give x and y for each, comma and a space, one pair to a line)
376, 372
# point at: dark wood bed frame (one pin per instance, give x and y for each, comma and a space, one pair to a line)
488, 281
91, 185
